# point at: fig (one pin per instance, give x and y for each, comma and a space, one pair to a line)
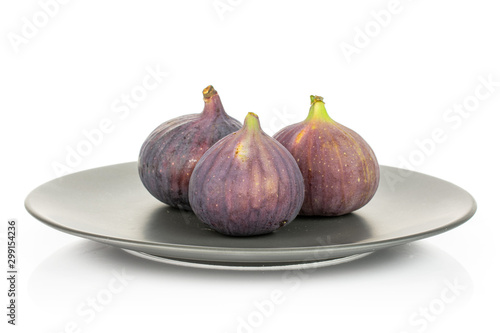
340, 170
247, 183
169, 154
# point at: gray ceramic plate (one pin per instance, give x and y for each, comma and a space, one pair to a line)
110, 205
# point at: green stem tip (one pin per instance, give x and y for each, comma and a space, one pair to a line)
252, 121
318, 110
315, 99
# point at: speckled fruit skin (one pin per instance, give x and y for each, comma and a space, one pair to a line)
170, 153
340, 170
246, 184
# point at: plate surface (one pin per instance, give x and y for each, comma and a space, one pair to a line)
110, 205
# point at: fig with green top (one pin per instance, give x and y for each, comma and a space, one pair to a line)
247, 183
340, 170
170, 153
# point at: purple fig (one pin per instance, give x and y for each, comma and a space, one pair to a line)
340, 170
247, 183
170, 153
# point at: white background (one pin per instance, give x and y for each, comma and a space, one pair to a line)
69, 73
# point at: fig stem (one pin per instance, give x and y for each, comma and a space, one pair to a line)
318, 110
208, 92
252, 121
213, 105
315, 99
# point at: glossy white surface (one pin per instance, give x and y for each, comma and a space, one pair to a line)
405, 87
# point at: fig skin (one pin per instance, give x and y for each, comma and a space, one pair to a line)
247, 183
170, 153
340, 170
